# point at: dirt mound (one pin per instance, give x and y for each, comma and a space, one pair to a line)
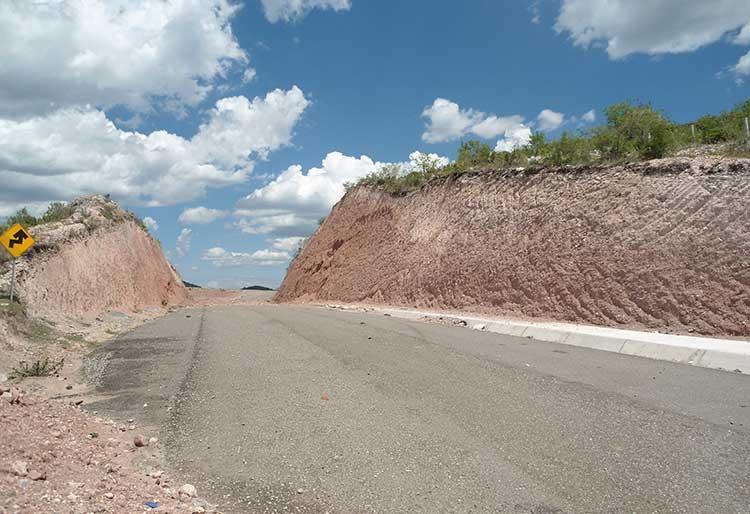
98, 260
662, 245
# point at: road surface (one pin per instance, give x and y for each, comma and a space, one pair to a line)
302, 409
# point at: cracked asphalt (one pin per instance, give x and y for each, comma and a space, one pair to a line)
303, 409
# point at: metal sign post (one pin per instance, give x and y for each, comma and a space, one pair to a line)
12, 280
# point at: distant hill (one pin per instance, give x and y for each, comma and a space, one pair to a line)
188, 284
257, 288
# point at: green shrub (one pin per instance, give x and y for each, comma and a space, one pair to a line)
568, 149
23, 217
55, 212
634, 131
39, 368
472, 153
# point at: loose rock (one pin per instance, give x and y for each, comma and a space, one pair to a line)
20, 468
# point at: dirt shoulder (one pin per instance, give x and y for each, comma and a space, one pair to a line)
55, 456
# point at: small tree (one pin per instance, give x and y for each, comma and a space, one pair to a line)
474, 152
634, 130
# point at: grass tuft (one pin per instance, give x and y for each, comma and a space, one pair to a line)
40, 368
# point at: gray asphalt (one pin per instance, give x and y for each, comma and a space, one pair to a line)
293, 409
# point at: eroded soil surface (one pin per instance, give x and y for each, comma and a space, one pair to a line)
662, 245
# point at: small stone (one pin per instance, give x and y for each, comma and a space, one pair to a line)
156, 474
20, 468
37, 476
300, 491
68, 387
109, 496
15, 395
139, 441
152, 441
187, 492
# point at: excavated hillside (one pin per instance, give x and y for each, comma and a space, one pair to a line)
97, 260
659, 245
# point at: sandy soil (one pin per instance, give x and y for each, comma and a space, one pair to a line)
662, 245
56, 459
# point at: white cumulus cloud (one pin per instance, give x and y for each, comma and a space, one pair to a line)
113, 52
447, 121
515, 137
549, 120
79, 151
626, 27
295, 200
286, 244
183, 242
293, 203
200, 216
589, 117
221, 258
151, 224
493, 126
291, 10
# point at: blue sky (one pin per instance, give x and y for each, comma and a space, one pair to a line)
207, 116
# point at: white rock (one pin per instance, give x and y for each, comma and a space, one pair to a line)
20, 468
187, 491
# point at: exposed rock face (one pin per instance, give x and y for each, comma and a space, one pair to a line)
662, 245
97, 260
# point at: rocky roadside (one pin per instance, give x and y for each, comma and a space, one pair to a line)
57, 459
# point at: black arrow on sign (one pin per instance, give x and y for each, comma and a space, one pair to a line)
18, 238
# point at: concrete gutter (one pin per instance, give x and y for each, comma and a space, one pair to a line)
722, 354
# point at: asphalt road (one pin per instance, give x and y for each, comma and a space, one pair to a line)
292, 409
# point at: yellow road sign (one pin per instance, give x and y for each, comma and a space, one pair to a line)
17, 240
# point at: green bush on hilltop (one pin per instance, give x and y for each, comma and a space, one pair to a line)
55, 212
633, 131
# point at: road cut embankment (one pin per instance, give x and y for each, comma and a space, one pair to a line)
661, 245
98, 260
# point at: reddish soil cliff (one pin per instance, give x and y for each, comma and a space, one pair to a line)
97, 260
662, 245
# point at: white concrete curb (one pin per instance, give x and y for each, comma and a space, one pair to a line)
724, 354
